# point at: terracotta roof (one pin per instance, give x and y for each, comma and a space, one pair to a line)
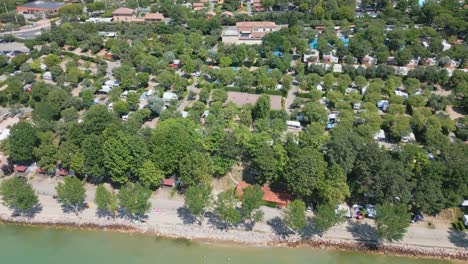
62, 172
258, 34
21, 168
154, 16
168, 182
123, 11
249, 25
40, 171
280, 198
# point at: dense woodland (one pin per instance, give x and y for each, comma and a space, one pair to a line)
315, 165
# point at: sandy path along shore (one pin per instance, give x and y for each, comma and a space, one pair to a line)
168, 218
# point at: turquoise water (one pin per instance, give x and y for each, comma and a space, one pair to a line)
40, 245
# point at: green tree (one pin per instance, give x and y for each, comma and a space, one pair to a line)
71, 193
134, 199
46, 152
96, 119
197, 199
325, 217
304, 172
92, 149
156, 104
149, 174
195, 168
71, 10
226, 208
261, 109
315, 112
251, 202
124, 155
22, 140
171, 141
392, 221
121, 108
18, 194
225, 62
294, 216
334, 189
106, 200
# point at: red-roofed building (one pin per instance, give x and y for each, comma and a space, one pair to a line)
257, 5
168, 183
21, 168
150, 17
40, 171
281, 199
62, 172
123, 14
248, 32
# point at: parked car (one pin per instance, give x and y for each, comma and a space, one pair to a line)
356, 211
344, 210
418, 216
370, 211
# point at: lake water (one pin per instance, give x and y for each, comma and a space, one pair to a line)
41, 245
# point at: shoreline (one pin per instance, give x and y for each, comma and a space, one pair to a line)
399, 250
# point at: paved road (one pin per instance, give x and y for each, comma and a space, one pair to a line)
27, 32
191, 88
111, 65
290, 98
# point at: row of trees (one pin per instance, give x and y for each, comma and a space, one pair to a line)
132, 199
391, 222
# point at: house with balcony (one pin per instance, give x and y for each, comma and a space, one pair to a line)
124, 14
248, 32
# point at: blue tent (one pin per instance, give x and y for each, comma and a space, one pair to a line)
345, 41
269, 70
314, 44
278, 53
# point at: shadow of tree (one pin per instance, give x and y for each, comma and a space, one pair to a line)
70, 209
364, 233
215, 221
104, 213
279, 227
125, 214
458, 238
186, 216
29, 214
309, 231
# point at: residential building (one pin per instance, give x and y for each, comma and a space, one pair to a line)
314, 56
124, 14
257, 5
198, 6
430, 62
249, 32
369, 60
330, 58
39, 7
153, 17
